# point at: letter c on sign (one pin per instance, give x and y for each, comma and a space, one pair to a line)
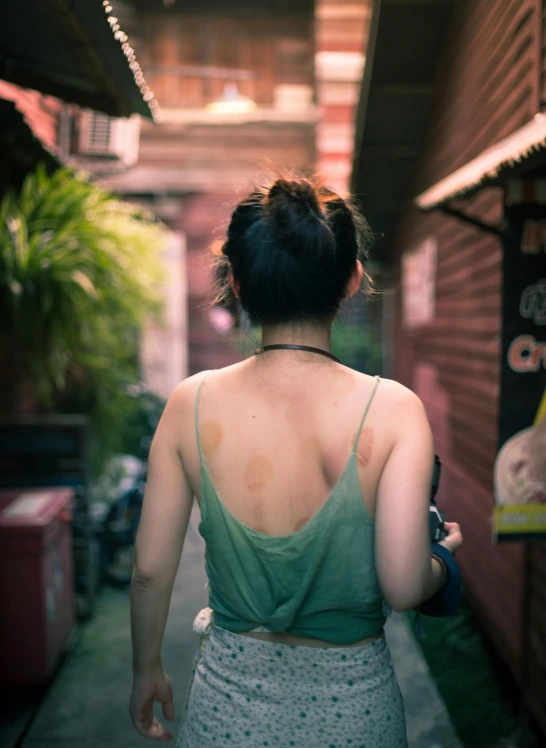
520, 354
526, 354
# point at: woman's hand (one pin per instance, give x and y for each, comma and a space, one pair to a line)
454, 537
146, 690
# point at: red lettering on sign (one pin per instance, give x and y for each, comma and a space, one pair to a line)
533, 237
526, 354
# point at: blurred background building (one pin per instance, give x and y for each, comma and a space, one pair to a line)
245, 88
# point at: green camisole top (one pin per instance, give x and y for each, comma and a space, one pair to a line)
319, 582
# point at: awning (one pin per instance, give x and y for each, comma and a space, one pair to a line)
507, 158
76, 51
406, 42
21, 148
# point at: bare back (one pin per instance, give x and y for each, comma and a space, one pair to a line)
276, 438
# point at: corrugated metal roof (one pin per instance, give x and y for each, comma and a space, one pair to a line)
490, 167
405, 46
76, 51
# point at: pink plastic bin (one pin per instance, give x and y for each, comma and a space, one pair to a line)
36, 582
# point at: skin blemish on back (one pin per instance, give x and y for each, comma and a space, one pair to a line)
365, 446
312, 445
301, 523
258, 473
211, 436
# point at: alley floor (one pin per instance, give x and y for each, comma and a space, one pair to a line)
87, 703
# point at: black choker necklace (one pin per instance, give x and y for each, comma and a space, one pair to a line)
293, 346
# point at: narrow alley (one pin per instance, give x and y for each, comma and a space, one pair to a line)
87, 705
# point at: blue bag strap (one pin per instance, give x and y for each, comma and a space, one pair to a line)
447, 601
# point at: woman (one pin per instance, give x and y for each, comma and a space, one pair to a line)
313, 482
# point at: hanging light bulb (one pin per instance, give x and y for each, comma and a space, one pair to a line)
231, 101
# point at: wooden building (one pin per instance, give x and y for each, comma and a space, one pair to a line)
292, 61
447, 127
341, 32
196, 164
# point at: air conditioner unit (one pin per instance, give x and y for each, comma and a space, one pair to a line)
109, 137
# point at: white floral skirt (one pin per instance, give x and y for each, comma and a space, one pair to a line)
246, 693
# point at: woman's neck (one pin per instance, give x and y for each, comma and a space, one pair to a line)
315, 336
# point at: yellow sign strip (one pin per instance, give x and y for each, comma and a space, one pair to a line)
541, 412
520, 518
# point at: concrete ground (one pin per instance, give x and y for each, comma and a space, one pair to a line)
87, 703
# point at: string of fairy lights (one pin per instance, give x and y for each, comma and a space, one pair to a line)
129, 52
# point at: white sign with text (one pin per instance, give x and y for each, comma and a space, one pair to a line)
419, 284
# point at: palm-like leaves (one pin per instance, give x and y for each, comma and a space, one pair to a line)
78, 277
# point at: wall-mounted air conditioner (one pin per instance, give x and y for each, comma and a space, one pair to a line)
109, 137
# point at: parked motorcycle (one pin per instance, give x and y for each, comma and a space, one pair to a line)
117, 496
116, 501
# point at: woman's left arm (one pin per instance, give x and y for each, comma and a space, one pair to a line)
165, 515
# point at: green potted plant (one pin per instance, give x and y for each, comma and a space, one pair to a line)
79, 272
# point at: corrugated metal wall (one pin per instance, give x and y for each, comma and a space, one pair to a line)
489, 87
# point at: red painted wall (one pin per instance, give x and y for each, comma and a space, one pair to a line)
489, 87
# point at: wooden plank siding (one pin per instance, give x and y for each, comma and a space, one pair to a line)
341, 33
278, 50
493, 86
536, 633
461, 349
489, 86
212, 163
542, 52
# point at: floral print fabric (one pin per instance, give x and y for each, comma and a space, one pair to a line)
248, 693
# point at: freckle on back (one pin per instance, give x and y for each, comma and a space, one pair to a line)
211, 436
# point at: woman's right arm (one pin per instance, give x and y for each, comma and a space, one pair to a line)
406, 571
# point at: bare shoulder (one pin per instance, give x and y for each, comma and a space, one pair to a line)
399, 395
390, 392
399, 406
182, 399
404, 413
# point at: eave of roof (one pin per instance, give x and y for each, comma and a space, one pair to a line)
407, 39
236, 7
76, 51
491, 167
21, 148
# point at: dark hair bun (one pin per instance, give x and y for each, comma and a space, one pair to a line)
298, 195
294, 212
292, 247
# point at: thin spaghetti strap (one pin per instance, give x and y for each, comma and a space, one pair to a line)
197, 399
377, 380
